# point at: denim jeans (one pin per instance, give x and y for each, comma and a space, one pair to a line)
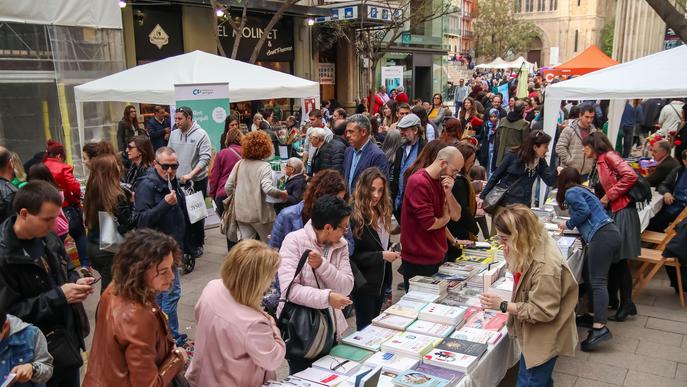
168, 303
539, 376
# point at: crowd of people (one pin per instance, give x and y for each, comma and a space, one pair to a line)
322, 240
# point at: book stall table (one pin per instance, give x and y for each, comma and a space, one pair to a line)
493, 366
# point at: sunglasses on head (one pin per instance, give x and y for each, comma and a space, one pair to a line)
168, 166
184, 110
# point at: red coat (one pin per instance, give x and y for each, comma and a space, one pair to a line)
617, 178
402, 98
63, 174
376, 102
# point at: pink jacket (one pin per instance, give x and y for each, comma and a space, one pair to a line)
334, 274
235, 344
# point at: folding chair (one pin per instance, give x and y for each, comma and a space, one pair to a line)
655, 237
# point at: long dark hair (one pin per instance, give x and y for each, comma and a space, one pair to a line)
145, 147
126, 117
598, 142
364, 213
534, 138
568, 177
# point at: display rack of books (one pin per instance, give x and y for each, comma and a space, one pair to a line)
435, 335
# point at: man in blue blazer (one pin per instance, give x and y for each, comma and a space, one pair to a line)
363, 152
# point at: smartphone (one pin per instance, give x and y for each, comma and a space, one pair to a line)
87, 273
8, 380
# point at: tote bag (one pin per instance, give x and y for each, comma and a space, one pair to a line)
110, 238
195, 205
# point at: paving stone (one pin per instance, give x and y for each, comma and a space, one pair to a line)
638, 320
594, 371
621, 330
681, 373
584, 382
662, 351
563, 380
645, 299
636, 362
675, 314
667, 325
643, 379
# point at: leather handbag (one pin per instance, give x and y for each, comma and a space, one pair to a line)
228, 225
308, 332
495, 197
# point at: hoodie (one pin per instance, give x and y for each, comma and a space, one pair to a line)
25, 344
193, 150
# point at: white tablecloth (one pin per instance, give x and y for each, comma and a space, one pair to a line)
493, 366
650, 210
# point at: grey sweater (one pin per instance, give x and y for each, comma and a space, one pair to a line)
193, 150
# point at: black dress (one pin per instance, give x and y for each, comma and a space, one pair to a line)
466, 227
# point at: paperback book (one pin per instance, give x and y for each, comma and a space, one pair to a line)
452, 376
337, 364
370, 337
428, 284
464, 347
351, 353
451, 360
430, 328
442, 314
410, 344
392, 321
406, 308
412, 378
318, 375
421, 297
390, 361
477, 335
488, 320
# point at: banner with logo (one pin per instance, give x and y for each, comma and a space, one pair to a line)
392, 77
503, 89
210, 105
307, 105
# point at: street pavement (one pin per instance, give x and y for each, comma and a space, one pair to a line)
647, 350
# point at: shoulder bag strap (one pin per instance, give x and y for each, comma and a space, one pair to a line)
299, 268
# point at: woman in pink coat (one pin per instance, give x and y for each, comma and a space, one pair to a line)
323, 235
237, 344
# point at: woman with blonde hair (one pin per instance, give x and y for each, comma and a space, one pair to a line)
19, 172
251, 182
541, 312
237, 343
371, 223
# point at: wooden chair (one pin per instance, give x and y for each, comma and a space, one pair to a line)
652, 259
655, 237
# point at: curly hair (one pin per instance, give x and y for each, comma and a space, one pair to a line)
364, 213
140, 251
325, 182
256, 145
234, 136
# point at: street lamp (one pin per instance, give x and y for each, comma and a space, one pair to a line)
311, 21
122, 3
219, 12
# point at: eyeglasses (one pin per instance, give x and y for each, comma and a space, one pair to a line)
184, 110
168, 166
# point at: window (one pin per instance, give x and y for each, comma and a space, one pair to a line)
518, 6
529, 5
576, 38
553, 5
541, 5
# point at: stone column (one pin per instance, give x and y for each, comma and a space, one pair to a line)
347, 73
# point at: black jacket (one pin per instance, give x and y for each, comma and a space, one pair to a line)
466, 225
507, 174
395, 172
668, 184
153, 211
330, 155
662, 171
33, 295
367, 257
295, 186
7, 192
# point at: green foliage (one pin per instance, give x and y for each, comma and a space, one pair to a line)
607, 38
498, 31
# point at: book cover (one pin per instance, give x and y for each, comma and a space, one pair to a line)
488, 320
442, 313
391, 362
391, 321
406, 308
464, 347
477, 335
292, 381
371, 337
452, 376
317, 375
337, 364
450, 359
412, 378
421, 297
350, 352
411, 344
430, 328
386, 379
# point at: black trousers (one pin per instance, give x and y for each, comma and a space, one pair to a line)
410, 270
620, 278
195, 233
601, 250
367, 307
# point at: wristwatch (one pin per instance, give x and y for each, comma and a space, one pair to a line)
504, 306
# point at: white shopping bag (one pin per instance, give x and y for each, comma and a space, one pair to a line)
110, 238
195, 206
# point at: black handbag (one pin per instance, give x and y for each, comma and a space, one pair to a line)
64, 349
308, 332
496, 195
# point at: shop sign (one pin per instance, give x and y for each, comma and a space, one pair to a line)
383, 13
342, 13
278, 46
157, 32
327, 73
158, 37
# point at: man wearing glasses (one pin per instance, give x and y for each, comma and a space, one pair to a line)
193, 149
160, 205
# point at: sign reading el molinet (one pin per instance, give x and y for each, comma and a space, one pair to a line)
278, 46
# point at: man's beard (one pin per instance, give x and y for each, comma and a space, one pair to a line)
405, 141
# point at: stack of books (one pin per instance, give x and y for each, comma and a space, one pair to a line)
487, 320
465, 297
410, 344
371, 337
351, 353
477, 255
459, 270
413, 378
492, 273
454, 377
390, 361
431, 329
428, 285
503, 287
455, 354
422, 297
406, 308
477, 335
392, 321
320, 376
442, 314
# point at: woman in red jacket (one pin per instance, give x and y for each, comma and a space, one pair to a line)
615, 179
63, 174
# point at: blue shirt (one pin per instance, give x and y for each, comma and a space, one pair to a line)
680, 191
354, 164
631, 115
408, 159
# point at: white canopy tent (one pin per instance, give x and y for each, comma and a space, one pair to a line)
516, 64
154, 82
494, 64
653, 76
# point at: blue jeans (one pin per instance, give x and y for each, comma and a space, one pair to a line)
539, 376
168, 303
459, 104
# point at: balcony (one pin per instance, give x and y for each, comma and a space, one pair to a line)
467, 15
467, 34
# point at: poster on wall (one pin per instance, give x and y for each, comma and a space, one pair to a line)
210, 105
327, 73
392, 77
309, 104
555, 51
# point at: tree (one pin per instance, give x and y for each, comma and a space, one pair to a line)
607, 38
238, 23
371, 41
674, 19
498, 32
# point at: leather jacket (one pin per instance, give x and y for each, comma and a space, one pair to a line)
617, 178
7, 192
132, 345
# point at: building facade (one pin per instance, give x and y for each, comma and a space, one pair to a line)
458, 33
566, 27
